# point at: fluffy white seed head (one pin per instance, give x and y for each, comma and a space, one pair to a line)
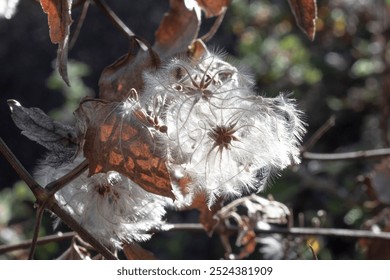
220, 134
108, 205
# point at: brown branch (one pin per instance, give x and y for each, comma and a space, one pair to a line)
319, 133
43, 197
334, 232
38, 221
79, 24
83, 233
114, 18
348, 156
37, 190
215, 27
41, 241
56, 185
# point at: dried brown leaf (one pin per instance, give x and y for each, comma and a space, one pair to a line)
206, 217
305, 12
213, 8
177, 30
116, 141
249, 244
59, 20
58, 138
124, 74
246, 238
133, 251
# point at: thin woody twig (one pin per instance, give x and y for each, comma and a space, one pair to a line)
319, 133
119, 23
36, 189
347, 156
84, 234
196, 227
41, 241
336, 232
43, 198
38, 221
80, 23
215, 27
56, 185
114, 18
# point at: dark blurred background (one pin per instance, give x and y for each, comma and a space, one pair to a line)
343, 73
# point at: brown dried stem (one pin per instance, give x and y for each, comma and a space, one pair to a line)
347, 156
56, 185
319, 133
36, 189
217, 23
38, 221
45, 198
334, 232
79, 24
41, 241
114, 18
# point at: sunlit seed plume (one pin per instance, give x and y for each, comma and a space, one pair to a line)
108, 205
220, 133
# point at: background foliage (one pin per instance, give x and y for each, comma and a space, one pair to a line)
344, 73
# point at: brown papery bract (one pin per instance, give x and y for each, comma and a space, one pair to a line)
305, 12
116, 141
59, 20
213, 8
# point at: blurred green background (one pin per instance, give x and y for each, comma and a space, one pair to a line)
344, 73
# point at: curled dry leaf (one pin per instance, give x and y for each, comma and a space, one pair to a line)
59, 20
133, 251
124, 74
207, 215
305, 12
213, 8
178, 29
249, 213
58, 138
116, 141
246, 238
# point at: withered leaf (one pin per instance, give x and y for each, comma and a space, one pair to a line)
124, 74
37, 126
75, 252
246, 238
213, 8
177, 30
206, 216
133, 251
115, 141
305, 12
59, 20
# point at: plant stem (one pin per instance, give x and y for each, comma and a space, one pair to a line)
37, 190
41, 241
347, 156
56, 185
336, 232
